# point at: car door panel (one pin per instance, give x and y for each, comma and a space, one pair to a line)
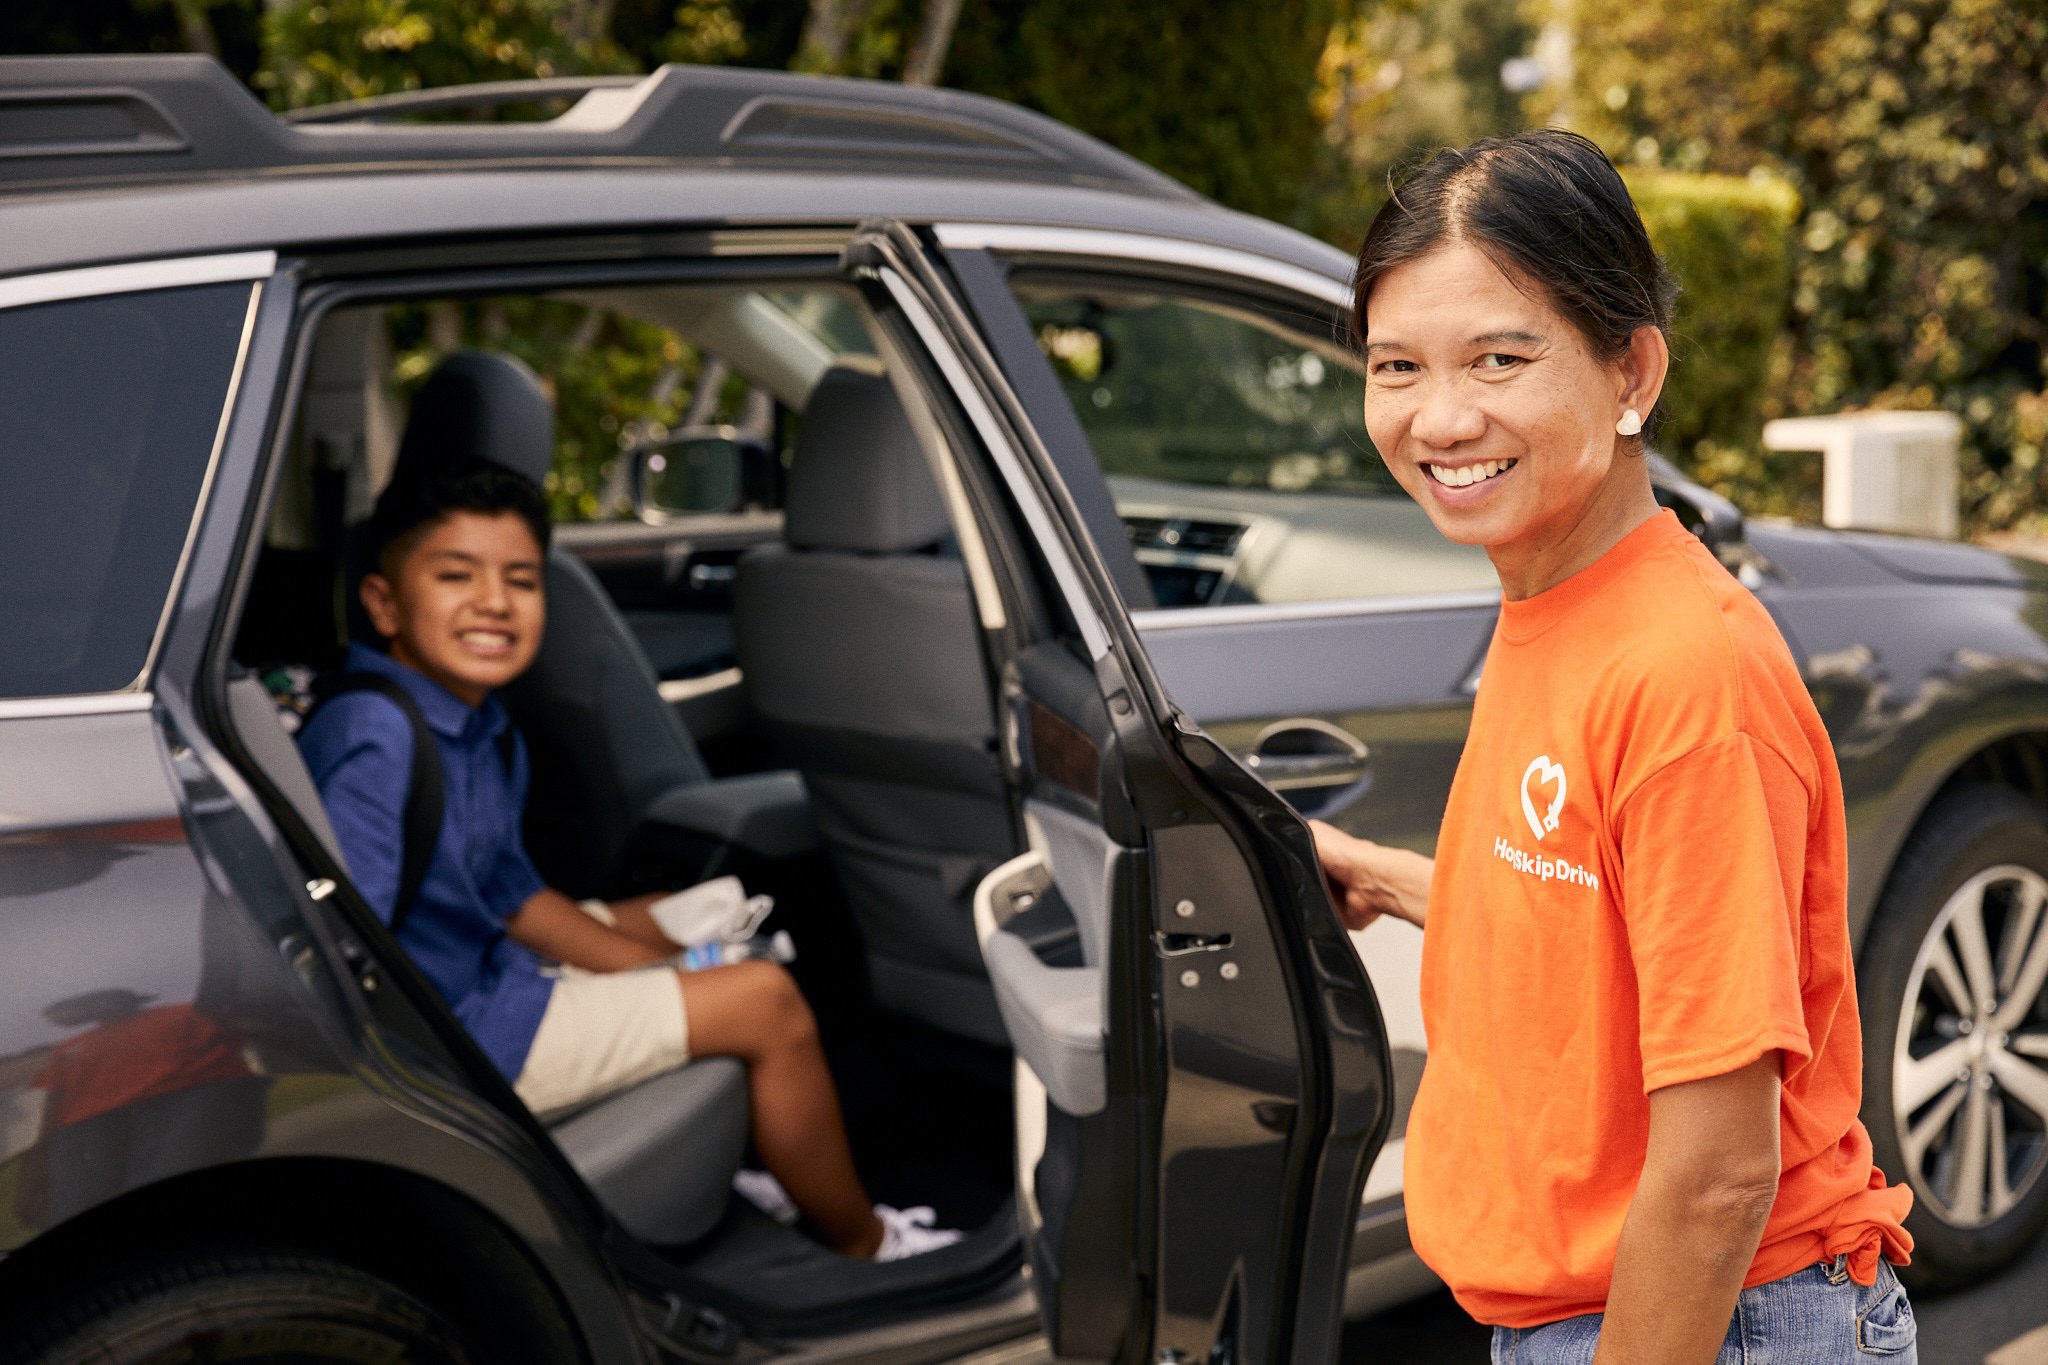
1172, 1221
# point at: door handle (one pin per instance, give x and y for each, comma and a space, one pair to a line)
1292, 754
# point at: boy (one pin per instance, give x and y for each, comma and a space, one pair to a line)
457, 597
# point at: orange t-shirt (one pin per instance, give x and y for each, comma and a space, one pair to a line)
1641, 880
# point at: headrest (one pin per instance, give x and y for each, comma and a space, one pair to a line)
858, 479
479, 406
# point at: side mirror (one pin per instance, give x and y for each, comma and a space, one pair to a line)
694, 472
1708, 515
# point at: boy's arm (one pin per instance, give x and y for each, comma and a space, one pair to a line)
636, 923
555, 927
358, 757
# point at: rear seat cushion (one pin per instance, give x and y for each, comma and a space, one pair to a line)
662, 1155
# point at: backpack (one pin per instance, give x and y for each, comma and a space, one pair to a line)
420, 826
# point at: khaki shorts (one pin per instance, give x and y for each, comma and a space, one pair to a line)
604, 1031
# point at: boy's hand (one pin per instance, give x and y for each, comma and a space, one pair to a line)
556, 927
1368, 880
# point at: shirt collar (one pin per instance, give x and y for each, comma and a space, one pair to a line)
446, 713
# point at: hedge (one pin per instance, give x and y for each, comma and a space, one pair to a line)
1728, 242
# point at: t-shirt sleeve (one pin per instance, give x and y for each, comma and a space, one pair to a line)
1713, 850
359, 751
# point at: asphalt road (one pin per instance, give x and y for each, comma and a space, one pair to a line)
2003, 1321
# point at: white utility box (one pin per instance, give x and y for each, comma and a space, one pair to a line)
1882, 471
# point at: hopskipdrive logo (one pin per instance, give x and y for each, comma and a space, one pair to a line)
1548, 869
1540, 776
1543, 773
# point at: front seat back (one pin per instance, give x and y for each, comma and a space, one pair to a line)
604, 744
862, 658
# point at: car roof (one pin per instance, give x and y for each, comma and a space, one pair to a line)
106, 159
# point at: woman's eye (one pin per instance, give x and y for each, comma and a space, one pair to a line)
1395, 367
1498, 360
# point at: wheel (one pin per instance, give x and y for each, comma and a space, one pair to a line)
238, 1305
1955, 1033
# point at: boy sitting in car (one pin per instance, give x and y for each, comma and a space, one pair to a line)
456, 595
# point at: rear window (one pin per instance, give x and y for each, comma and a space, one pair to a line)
108, 412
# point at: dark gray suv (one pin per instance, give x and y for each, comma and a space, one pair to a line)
1020, 581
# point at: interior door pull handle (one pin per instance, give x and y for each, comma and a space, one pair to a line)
1292, 754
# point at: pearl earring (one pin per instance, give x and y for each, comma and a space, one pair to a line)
1631, 422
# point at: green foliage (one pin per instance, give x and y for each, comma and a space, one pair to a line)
319, 51
1219, 95
1728, 242
616, 381
1397, 79
1916, 132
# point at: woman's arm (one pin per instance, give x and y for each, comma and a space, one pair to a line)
555, 927
1709, 1178
1370, 880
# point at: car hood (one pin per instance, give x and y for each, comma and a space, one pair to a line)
1945, 561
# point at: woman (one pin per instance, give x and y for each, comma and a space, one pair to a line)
1636, 1138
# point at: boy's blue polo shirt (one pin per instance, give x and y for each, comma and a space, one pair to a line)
359, 748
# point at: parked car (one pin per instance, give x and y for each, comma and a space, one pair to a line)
1029, 555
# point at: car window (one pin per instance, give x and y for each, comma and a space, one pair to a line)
644, 369
1233, 443
109, 409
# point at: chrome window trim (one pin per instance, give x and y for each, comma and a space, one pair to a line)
59, 286
134, 276
220, 440
85, 704
1138, 246
1093, 633
1265, 613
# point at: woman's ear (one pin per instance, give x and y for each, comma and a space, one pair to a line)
380, 601
1643, 367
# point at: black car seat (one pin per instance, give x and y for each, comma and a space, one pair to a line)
605, 746
861, 656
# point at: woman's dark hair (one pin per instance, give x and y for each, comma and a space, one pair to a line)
411, 504
1547, 207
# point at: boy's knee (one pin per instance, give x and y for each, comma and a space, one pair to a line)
786, 1016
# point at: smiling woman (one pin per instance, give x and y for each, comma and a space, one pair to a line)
1641, 872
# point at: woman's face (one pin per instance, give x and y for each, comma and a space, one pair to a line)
1487, 404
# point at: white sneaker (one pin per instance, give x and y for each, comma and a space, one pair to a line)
909, 1232
765, 1193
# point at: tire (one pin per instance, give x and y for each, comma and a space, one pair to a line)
1955, 1093
220, 1306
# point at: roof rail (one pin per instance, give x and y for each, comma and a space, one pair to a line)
90, 120
450, 98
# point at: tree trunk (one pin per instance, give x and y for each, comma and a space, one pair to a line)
828, 33
934, 36
195, 27
590, 21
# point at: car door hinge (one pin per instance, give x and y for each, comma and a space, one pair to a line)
1180, 945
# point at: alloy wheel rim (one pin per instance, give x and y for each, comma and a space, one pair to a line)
1970, 1057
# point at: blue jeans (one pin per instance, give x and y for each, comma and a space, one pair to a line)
1816, 1316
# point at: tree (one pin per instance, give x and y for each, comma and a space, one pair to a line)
1916, 132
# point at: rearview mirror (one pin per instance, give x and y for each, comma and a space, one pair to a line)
693, 472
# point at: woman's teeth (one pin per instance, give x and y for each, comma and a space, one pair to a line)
1465, 475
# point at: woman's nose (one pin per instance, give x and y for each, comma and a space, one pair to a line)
1446, 418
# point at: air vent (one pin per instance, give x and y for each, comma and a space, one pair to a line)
1179, 535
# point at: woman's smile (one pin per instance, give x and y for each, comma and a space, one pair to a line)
1455, 477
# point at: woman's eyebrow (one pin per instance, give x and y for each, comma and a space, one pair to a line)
1525, 338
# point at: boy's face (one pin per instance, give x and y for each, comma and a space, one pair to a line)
461, 603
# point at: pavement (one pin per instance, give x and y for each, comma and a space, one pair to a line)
2003, 1321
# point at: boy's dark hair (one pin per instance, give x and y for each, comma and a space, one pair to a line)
410, 505
1547, 207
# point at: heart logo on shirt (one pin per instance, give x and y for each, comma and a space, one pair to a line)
1544, 772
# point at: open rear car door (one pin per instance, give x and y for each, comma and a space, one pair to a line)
1203, 1078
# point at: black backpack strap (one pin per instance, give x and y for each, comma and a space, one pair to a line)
421, 829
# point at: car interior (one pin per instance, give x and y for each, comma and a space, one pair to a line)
781, 673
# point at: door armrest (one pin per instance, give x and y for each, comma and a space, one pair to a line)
768, 814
